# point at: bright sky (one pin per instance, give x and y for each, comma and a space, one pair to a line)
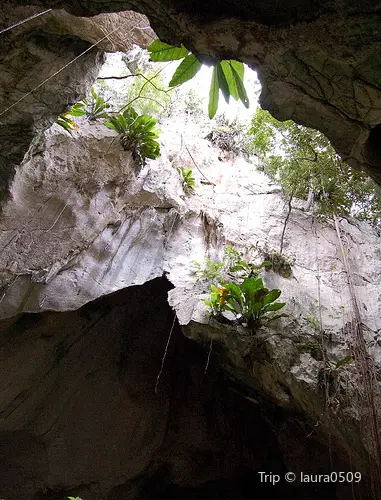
201, 84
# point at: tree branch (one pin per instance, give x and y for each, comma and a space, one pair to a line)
148, 80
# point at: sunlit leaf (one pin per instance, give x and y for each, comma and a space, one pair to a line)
228, 72
213, 94
238, 67
160, 52
185, 71
241, 88
222, 82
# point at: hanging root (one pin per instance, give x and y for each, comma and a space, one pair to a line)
209, 353
365, 368
165, 354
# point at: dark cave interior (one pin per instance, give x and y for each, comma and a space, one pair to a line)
214, 440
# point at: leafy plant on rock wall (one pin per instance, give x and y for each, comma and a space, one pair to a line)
189, 182
231, 266
238, 290
137, 133
280, 264
93, 108
228, 135
251, 302
96, 107
227, 75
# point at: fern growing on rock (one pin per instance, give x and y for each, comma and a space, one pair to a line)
137, 133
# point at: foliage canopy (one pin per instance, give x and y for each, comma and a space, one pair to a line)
304, 162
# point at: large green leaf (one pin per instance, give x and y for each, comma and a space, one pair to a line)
160, 51
235, 290
271, 296
251, 285
241, 88
255, 309
185, 71
274, 307
130, 114
118, 123
223, 84
213, 94
228, 72
238, 67
66, 123
77, 110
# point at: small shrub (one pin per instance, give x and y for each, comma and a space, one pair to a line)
136, 134
231, 266
228, 135
189, 182
238, 290
235, 263
210, 271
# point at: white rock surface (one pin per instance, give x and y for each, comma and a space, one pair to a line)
82, 222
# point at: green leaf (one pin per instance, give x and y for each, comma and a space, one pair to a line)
274, 307
77, 112
266, 263
241, 88
271, 296
239, 267
252, 285
228, 72
66, 123
222, 83
160, 51
213, 94
185, 71
238, 67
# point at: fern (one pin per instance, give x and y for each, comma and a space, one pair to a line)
137, 133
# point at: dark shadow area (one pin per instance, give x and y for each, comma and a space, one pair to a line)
83, 413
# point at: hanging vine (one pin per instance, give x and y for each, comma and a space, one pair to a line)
365, 368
